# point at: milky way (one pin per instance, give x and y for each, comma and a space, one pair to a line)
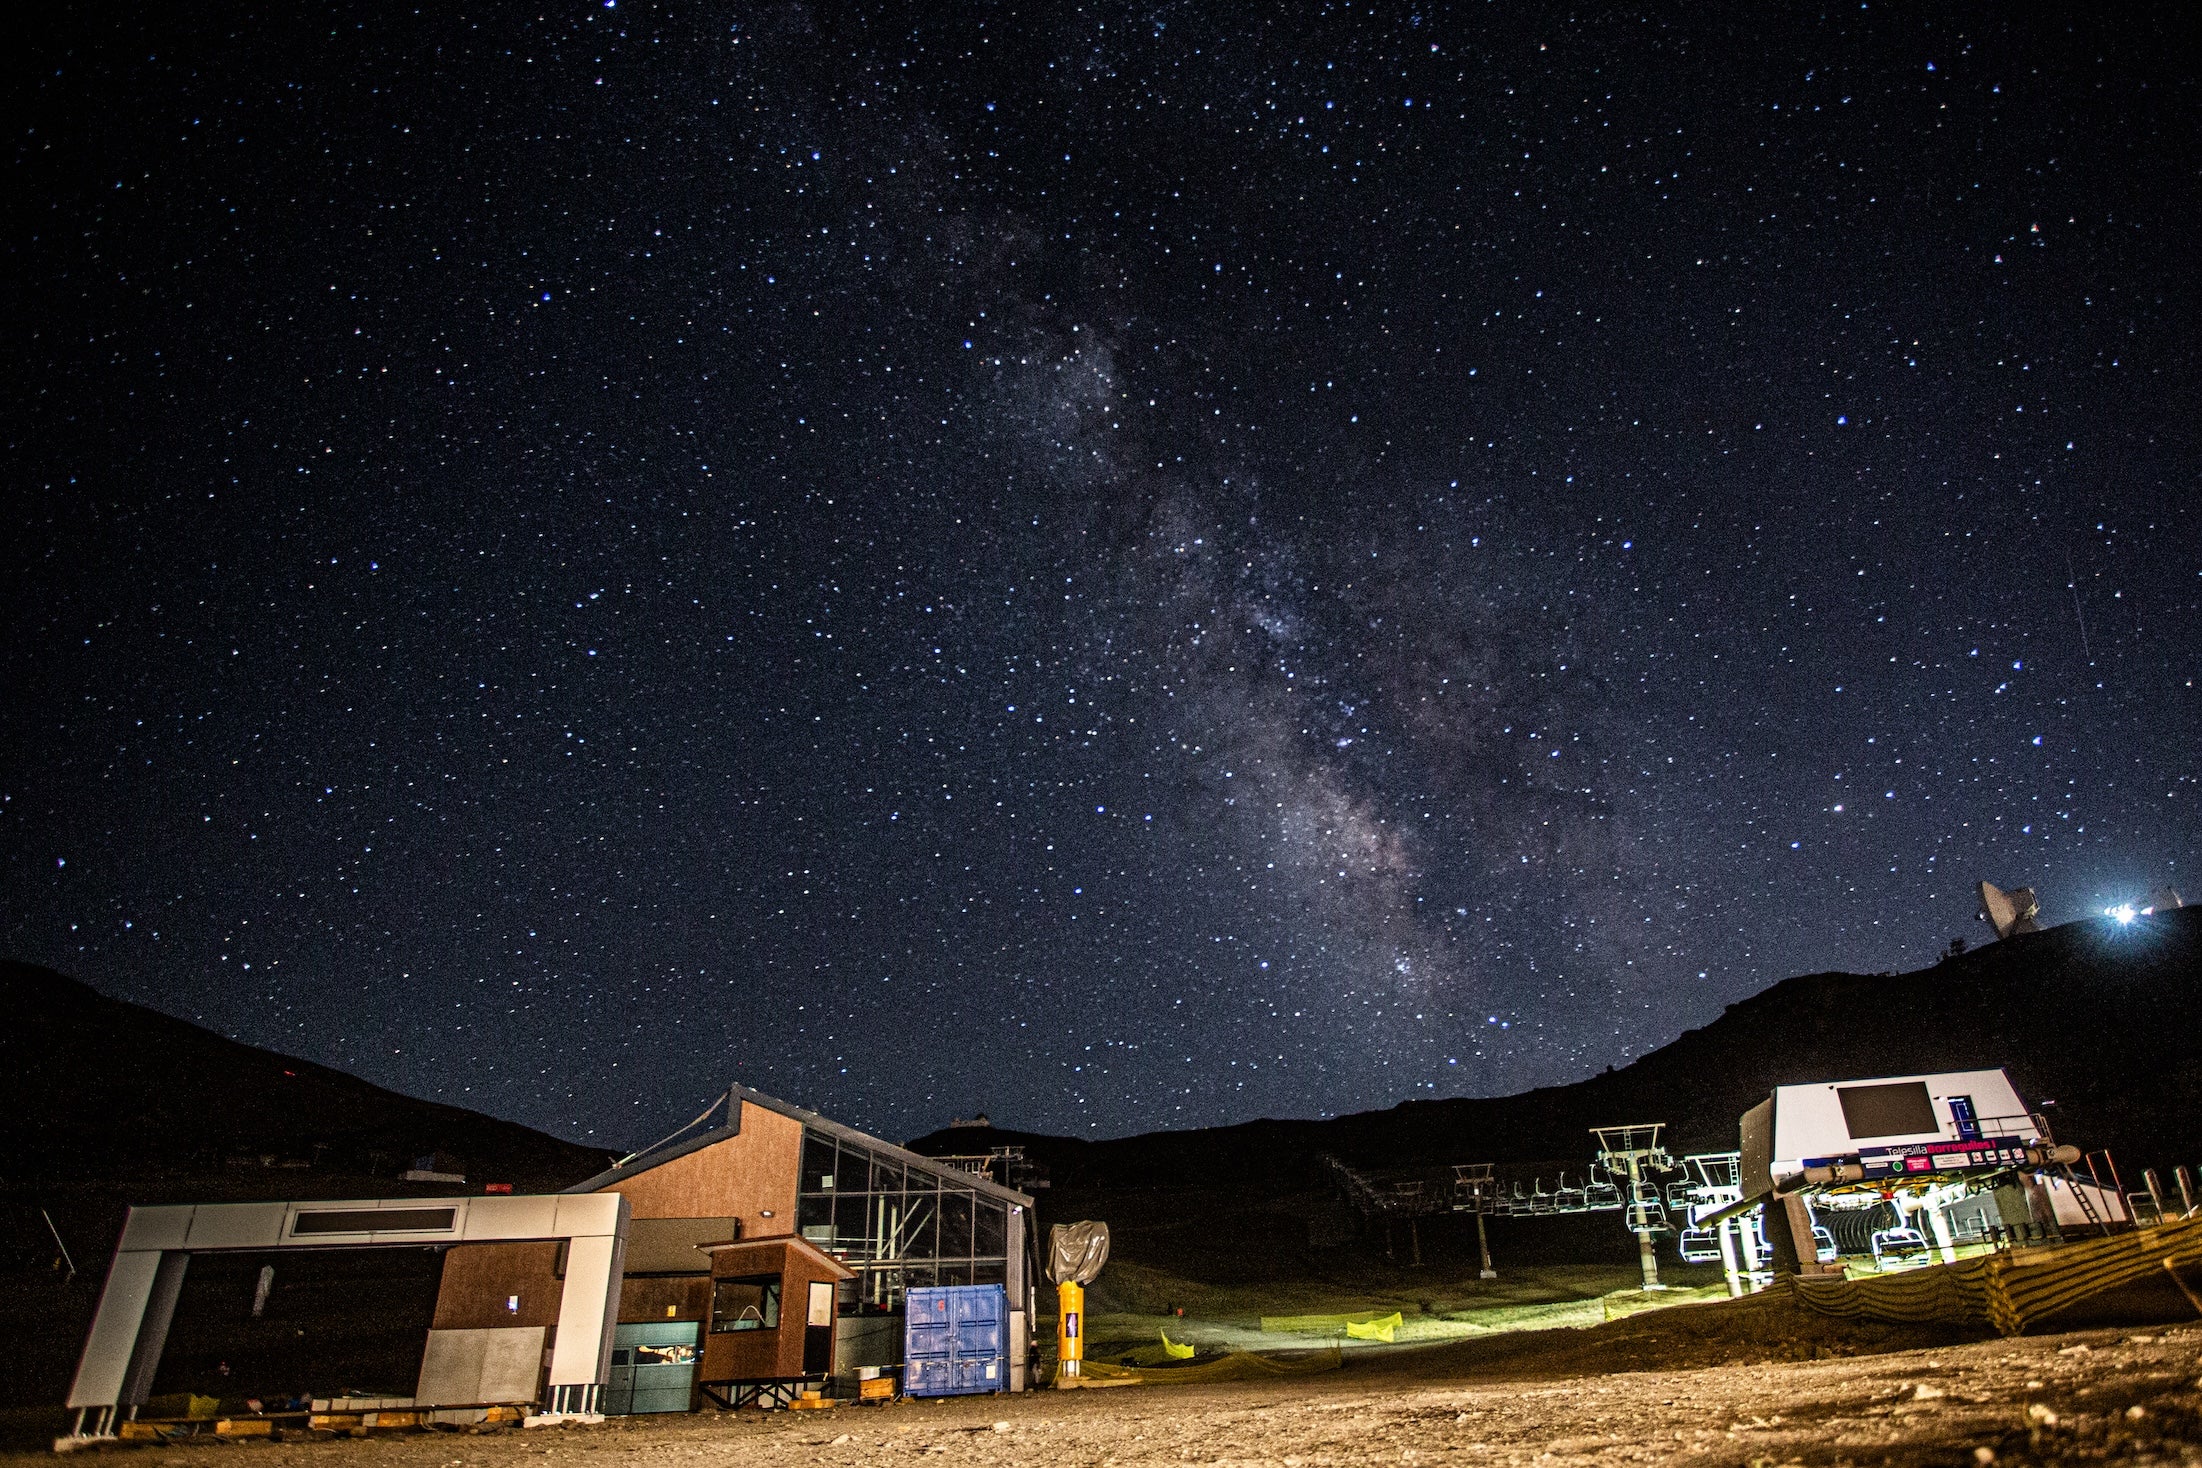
1126, 567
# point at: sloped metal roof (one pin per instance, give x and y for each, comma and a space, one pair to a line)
679, 1147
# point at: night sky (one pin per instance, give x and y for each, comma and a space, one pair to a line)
1128, 566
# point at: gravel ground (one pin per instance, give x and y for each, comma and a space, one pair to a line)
2100, 1396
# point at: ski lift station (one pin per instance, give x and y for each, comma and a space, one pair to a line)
759, 1255
1881, 1173
1906, 1169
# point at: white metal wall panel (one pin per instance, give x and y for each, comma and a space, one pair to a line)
512, 1364
590, 1213
481, 1367
511, 1218
236, 1226
106, 1358
587, 1311
1808, 1120
2101, 1204
156, 1228
451, 1368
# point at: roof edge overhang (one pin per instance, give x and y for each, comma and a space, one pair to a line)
738, 1094
795, 1242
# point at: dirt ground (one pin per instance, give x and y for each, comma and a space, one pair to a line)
1545, 1398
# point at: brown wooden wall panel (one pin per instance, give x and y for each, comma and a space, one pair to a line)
747, 1355
649, 1298
741, 1177
478, 1278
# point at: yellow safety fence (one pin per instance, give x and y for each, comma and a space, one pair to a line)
1233, 1366
2009, 1291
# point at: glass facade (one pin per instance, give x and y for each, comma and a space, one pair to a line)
896, 1224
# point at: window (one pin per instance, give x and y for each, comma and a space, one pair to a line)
851, 1216
955, 1223
900, 1223
817, 1163
992, 1237
375, 1220
852, 1170
1899, 1109
751, 1302
918, 1235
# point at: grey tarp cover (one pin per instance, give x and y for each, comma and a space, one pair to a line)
1076, 1252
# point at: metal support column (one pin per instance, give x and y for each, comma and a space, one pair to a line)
1728, 1257
1943, 1241
160, 1312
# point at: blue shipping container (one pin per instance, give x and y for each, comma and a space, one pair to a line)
955, 1340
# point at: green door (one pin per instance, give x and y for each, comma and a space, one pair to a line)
653, 1367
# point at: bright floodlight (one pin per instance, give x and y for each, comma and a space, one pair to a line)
2123, 912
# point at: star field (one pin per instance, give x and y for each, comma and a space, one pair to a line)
1125, 566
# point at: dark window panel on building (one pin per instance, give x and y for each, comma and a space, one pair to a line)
818, 1164
990, 1236
853, 1170
852, 1214
955, 1224
749, 1303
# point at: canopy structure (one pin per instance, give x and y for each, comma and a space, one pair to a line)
130, 1329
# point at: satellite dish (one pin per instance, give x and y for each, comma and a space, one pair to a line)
2009, 912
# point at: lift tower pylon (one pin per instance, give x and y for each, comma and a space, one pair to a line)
1635, 1152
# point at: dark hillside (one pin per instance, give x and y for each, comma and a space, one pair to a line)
2097, 1024
97, 1088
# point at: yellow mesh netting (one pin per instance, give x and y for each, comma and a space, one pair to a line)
1234, 1366
2009, 1291
1375, 1330
1323, 1324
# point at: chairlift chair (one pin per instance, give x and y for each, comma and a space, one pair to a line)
1699, 1245
1603, 1192
1646, 1209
